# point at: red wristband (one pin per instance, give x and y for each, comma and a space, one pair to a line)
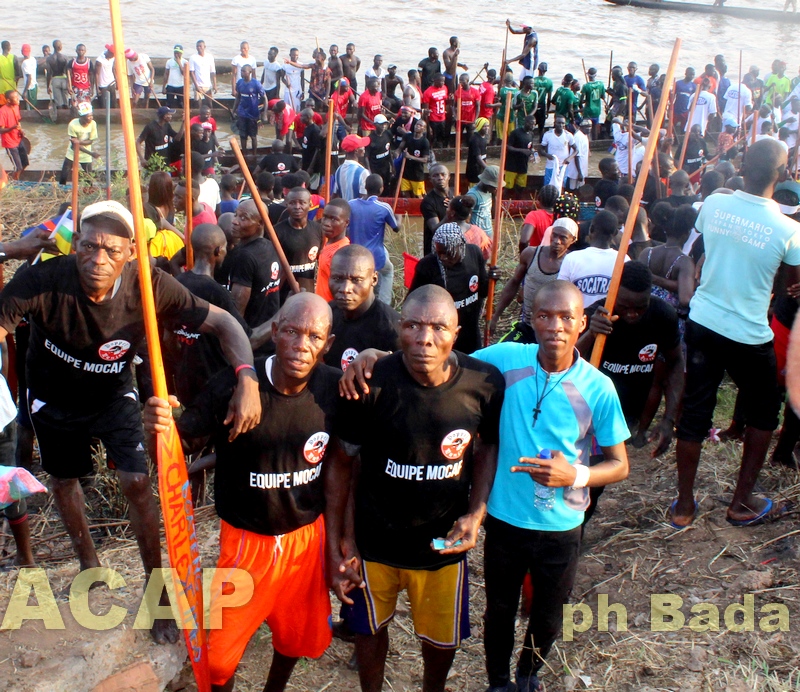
244, 366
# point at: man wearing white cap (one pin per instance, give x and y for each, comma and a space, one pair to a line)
85, 314
83, 132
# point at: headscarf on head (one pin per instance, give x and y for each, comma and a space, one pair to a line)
451, 237
566, 205
480, 123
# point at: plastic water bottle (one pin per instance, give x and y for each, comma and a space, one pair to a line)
544, 497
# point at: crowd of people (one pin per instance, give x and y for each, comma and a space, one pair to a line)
360, 448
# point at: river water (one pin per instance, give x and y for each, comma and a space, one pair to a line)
402, 30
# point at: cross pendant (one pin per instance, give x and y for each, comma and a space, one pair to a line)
536, 412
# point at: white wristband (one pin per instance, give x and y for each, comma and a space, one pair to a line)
581, 476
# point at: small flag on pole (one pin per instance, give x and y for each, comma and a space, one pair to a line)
61, 230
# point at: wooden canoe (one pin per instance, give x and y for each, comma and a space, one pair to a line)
740, 12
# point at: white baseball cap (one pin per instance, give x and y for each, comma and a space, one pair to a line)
109, 208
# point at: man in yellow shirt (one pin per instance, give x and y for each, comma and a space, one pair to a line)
83, 132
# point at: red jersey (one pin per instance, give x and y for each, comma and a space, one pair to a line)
372, 107
436, 100
284, 120
10, 117
206, 215
80, 74
341, 101
196, 121
487, 99
470, 99
300, 128
541, 220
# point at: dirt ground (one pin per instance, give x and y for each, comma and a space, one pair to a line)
630, 554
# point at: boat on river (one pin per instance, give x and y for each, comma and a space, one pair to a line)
730, 11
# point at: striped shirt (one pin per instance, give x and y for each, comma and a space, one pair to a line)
349, 181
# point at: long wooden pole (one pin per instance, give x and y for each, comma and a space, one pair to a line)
326, 193
457, 181
633, 212
585, 75
107, 95
176, 501
187, 166
739, 114
76, 172
498, 216
630, 137
688, 129
671, 99
655, 157
262, 209
399, 183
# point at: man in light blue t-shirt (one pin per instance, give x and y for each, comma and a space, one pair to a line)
555, 401
747, 241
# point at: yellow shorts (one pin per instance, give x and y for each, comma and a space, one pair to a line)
498, 127
417, 188
290, 595
439, 601
515, 180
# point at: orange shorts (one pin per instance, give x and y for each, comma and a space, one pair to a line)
290, 594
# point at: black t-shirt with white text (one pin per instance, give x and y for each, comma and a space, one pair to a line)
468, 284
415, 170
157, 138
255, 264
268, 480
80, 352
377, 328
476, 153
301, 246
631, 350
379, 151
416, 445
194, 358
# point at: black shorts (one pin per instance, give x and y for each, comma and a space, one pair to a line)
247, 127
273, 93
752, 368
439, 130
65, 438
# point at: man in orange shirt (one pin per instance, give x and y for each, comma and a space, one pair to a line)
11, 133
335, 218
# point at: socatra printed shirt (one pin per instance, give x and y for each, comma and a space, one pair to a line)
590, 270
268, 480
577, 404
416, 456
746, 239
80, 352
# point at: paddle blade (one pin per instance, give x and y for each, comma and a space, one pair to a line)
183, 550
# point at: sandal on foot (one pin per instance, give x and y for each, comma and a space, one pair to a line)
767, 515
671, 514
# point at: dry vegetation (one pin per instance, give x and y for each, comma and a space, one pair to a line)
630, 552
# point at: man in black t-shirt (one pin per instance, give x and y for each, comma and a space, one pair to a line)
157, 137
255, 273
609, 184
269, 495
300, 239
519, 150
415, 148
434, 205
429, 67
642, 336
427, 435
359, 320
311, 142
379, 152
86, 322
278, 162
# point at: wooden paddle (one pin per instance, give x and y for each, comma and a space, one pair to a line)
326, 193
498, 218
44, 117
688, 129
262, 209
633, 212
76, 171
457, 181
399, 182
173, 481
187, 169
630, 136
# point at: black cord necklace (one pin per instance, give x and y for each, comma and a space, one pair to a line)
539, 399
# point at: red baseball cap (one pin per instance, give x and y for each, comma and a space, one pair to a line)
353, 142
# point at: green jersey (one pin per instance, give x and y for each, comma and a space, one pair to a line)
566, 102
525, 104
592, 96
543, 87
501, 97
